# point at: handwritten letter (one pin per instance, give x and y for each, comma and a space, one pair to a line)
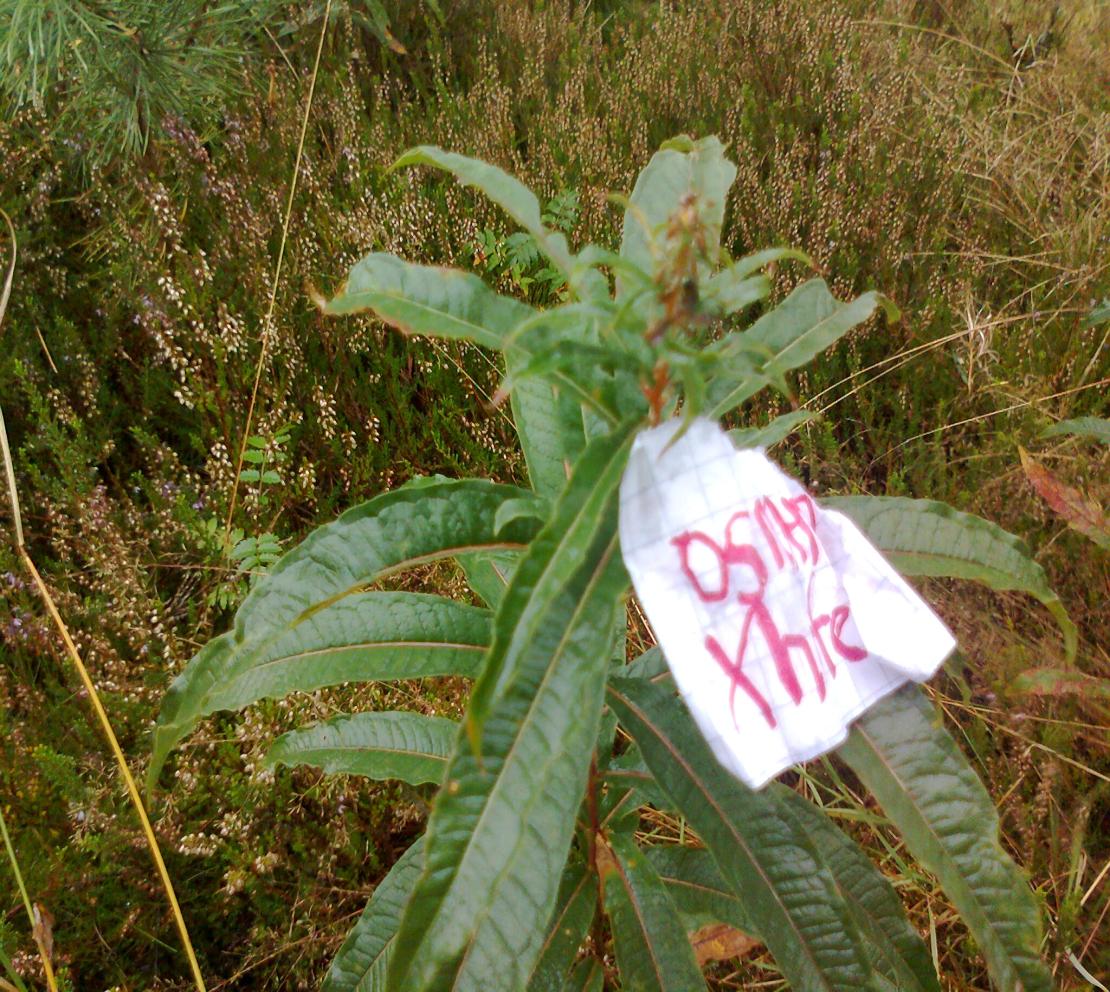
780, 621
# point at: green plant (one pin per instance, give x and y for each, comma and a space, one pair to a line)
117, 72
538, 806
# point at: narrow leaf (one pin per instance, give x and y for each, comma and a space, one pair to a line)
773, 432
447, 303
548, 420
653, 952
1093, 427
750, 264
574, 911
679, 169
588, 976
1076, 509
895, 948
807, 322
488, 573
767, 860
406, 746
924, 537
362, 961
502, 824
727, 296
428, 299
697, 887
505, 190
296, 613
904, 756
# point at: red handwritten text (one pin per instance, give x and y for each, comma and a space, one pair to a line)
786, 528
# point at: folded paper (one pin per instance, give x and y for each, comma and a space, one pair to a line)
780, 621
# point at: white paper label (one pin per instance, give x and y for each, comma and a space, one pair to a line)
780, 621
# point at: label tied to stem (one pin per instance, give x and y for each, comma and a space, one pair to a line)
780, 621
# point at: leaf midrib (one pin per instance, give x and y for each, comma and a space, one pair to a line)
739, 840
529, 716
960, 881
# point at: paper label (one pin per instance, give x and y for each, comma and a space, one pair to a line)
780, 621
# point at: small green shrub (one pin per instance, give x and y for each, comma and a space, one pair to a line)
530, 872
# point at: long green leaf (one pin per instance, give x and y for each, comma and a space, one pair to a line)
924, 537
772, 432
807, 322
502, 825
363, 960
447, 303
295, 611
896, 949
574, 911
508, 192
1093, 427
548, 420
410, 747
653, 951
679, 169
902, 753
428, 299
747, 266
769, 862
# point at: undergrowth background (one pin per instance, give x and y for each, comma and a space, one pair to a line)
952, 154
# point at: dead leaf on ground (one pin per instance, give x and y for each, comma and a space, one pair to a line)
720, 942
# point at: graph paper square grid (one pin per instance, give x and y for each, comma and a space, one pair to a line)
801, 696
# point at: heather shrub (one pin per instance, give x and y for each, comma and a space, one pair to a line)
899, 159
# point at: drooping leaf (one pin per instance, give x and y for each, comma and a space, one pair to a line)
505, 190
363, 960
680, 168
501, 828
924, 537
428, 299
305, 607
895, 948
410, 747
771, 433
904, 756
766, 858
1077, 510
807, 322
574, 911
447, 303
652, 949
1093, 427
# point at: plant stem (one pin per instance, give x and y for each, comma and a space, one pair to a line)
47, 967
